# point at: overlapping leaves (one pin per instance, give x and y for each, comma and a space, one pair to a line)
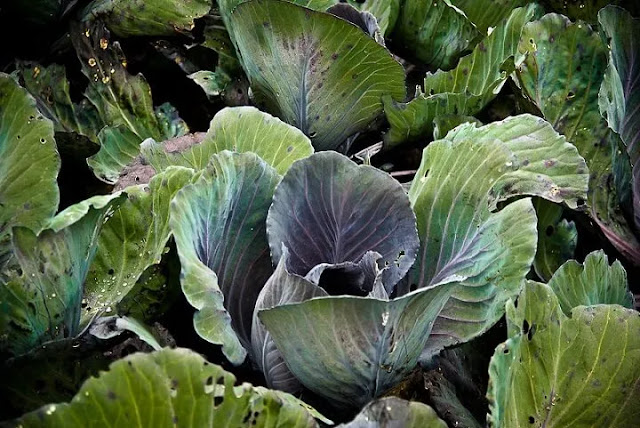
557, 370
466, 89
169, 387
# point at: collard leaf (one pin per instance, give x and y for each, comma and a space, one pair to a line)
354, 348
219, 227
149, 18
238, 129
557, 371
29, 165
327, 209
392, 411
169, 387
435, 32
463, 239
324, 75
133, 239
466, 89
594, 283
557, 239
486, 14
562, 76
44, 303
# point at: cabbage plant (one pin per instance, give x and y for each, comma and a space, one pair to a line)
267, 212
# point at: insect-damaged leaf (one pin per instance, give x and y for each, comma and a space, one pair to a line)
557, 370
562, 75
323, 75
43, 304
29, 164
464, 238
169, 387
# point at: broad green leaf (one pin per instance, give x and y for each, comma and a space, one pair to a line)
385, 11
463, 238
559, 371
392, 411
29, 165
238, 129
118, 147
167, 388
562, 76
557, 239
50, 87
549, 166
620, 91
147, 18
133, 239
43, 304
466, 89
486, 14
219, 227
352, 349
327, 209
323, 75
594, 283
434, 32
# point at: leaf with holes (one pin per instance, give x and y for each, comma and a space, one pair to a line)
557, 370
29, 164
169, 387
43, 304
238, 129
148, 18
561, 75
593, 283
466, 89
133, 239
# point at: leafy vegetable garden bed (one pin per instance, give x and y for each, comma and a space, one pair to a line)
370, 213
